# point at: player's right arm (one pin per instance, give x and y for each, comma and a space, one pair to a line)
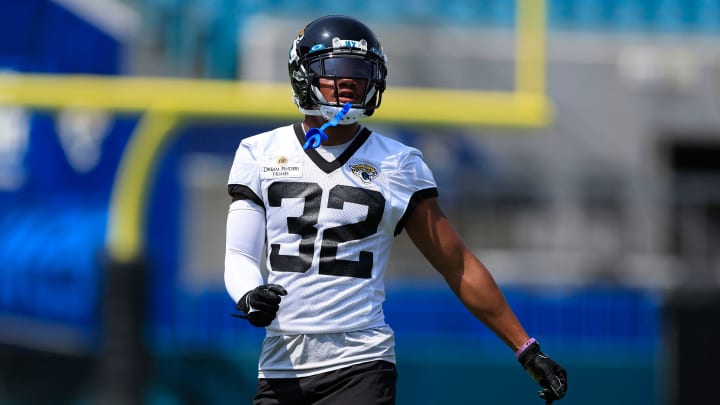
245, 239
245, 232
244, 242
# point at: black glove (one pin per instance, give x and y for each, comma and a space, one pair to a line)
550, 375
260, 304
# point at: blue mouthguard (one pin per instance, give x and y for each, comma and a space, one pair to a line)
315, 136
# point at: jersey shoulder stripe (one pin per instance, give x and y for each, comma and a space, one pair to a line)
414, 200
242, 192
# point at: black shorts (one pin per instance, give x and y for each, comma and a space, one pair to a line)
371, 383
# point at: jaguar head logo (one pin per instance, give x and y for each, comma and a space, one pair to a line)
364, 171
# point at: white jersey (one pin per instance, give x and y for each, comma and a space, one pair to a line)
330, 224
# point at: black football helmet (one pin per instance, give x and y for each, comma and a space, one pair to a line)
335, 47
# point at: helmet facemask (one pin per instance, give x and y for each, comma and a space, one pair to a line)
351, 76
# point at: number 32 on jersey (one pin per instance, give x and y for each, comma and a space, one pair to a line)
305, 226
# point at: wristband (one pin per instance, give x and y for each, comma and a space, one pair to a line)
524, 346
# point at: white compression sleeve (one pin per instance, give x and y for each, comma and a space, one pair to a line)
244, 243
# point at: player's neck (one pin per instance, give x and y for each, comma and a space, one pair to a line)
336, 135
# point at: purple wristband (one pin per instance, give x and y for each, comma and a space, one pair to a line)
524, 346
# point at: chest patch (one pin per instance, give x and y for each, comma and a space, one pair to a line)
280, 167
365, 171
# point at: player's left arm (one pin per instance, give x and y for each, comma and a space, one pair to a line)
433, 234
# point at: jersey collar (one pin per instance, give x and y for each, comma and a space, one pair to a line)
325, 165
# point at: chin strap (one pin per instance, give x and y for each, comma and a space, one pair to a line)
315, 136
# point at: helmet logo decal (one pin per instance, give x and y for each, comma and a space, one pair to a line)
317, 47
365, 171
294, 57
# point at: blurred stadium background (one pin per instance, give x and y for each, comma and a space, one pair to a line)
576, 144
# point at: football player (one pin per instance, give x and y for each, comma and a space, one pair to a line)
325, 197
